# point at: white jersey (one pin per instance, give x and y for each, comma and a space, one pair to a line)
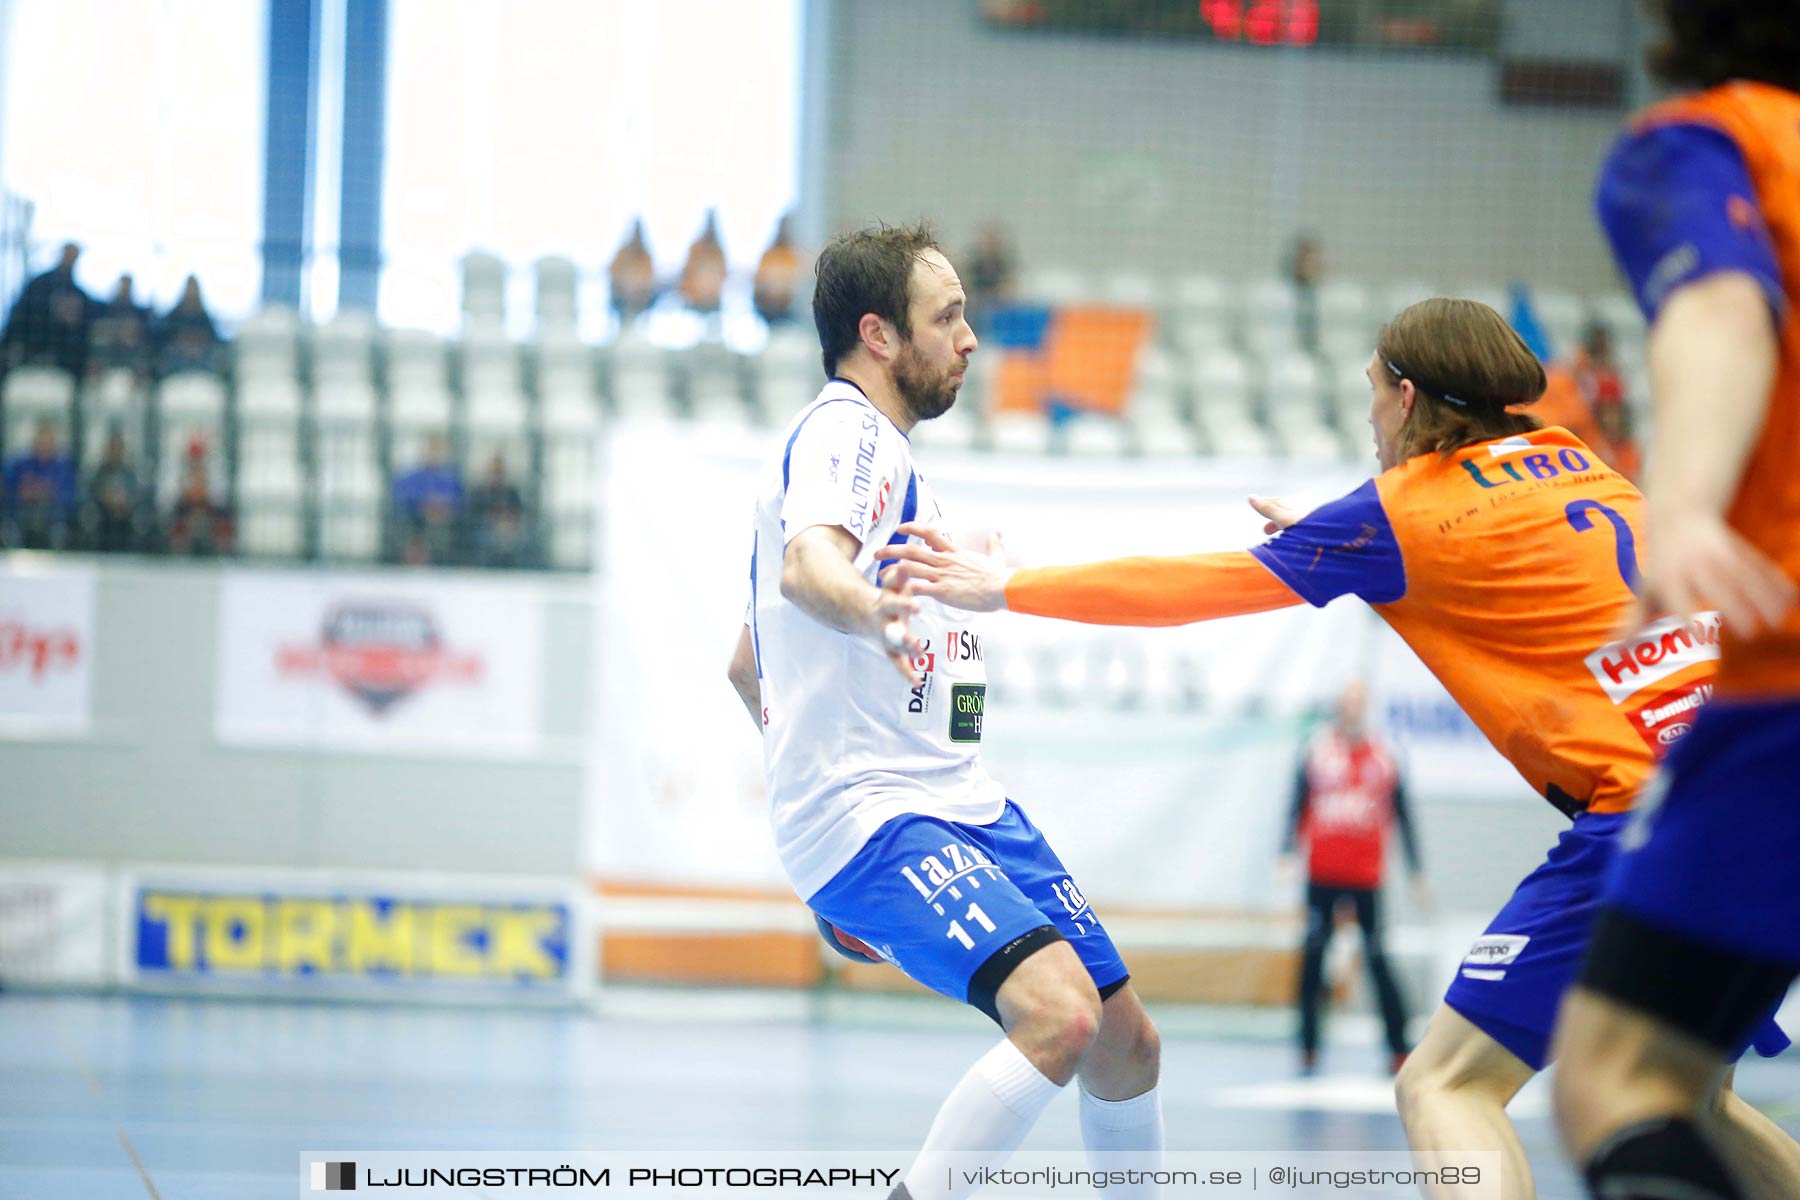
848, 744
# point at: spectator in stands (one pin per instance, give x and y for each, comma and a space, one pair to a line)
777, 275
186, 339
703, 278
428, 507
121, 333
50, 321
1595, 371
37, 508
633, 277
1306, 270
499, 534
199, 526
113, 515
989, 274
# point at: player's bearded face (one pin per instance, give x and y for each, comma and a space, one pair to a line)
927, 390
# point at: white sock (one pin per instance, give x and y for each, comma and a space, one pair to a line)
1124, 1135
986, 1116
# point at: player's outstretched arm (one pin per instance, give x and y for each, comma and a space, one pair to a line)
1712, 363
1120, 591
819, 575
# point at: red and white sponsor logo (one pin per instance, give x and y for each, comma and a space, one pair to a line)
380, 653
1628, 666
37, 651
882, 495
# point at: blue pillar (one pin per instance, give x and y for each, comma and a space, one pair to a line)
287, 148
365, 94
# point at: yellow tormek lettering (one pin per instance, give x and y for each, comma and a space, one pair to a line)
351, 937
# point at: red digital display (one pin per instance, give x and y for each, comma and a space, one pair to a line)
1263, 22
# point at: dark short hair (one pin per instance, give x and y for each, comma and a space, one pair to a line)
869, 271
1706, 42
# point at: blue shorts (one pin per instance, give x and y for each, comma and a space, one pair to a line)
1716, 852
939, 898
1512, 981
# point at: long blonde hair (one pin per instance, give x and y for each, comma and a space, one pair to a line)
1469, 368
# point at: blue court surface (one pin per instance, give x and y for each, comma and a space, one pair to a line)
119, 1098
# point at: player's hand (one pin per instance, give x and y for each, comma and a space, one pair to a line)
1698, 562
888, 625
959, 578
1287, 868
1280, 513
1423, 898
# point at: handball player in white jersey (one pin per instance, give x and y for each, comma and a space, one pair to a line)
870, 703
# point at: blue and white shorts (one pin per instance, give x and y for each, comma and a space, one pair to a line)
939, 899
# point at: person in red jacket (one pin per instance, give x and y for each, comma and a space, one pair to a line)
1347, 794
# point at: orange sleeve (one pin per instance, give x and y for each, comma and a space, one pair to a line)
1151, 591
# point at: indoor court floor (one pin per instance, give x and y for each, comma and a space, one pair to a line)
124, 1097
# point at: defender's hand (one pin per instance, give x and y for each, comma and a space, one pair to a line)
959, 578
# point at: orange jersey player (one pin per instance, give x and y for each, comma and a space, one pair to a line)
1504, 553
1699, 930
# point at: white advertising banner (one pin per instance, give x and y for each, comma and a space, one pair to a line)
384, 663
54, 923
46, 649
1159, 762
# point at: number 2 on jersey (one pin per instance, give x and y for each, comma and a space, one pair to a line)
1625, 544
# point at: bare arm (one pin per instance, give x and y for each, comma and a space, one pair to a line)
819, 575
742, 673
1712, 363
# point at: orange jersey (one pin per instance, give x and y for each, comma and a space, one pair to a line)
1709, 182
1518, 554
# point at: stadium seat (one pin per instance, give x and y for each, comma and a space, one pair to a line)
415, 360
1292, 400
1017, 433
1224, 411
1132, 289
1092, 435
639, 378
565, 364
1161, 434
557, 281
1344, 304
1053, 286
344, 350
484, 287
1270, 301
36, 394
1199, 300
788, 374
270, 530
268, 345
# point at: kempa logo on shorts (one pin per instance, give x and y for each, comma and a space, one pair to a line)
334, 1177
1496, 950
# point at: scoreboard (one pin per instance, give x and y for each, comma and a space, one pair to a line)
1370, 24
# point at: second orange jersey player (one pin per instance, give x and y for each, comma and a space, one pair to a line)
1503, 552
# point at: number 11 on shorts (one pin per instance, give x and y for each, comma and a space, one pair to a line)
974, 915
